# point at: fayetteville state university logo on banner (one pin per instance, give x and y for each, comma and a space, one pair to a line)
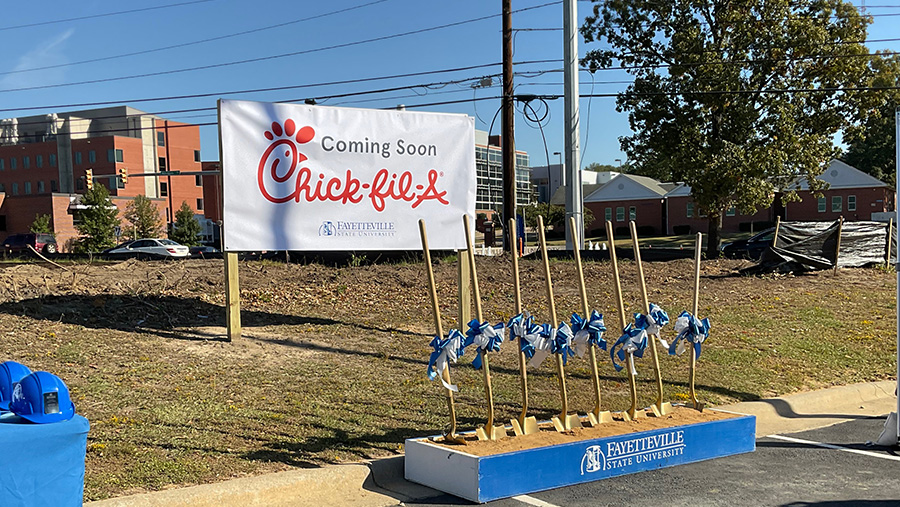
329, 178
635, 451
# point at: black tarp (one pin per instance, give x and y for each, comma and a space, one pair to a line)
809, 246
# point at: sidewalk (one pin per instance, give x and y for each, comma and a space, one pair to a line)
380, 483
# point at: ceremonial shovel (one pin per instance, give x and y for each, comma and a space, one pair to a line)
524, 425
451, 435
697, 405
564, 421
632, 412
659, 408
489, 432
596, 416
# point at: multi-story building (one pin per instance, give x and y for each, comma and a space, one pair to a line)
489, 172
44, 161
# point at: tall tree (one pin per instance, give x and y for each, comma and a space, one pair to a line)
871, 139
186, 228
41, 224
734, 98
98, 221
144, 218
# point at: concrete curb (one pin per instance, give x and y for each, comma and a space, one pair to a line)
381, 483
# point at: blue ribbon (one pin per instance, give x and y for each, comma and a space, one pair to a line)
523, 328
486, 337
445, 350
542, 345
562, 342
588, 333
690, 329
633, 339
653, 322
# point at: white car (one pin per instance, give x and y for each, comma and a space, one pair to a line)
151, 248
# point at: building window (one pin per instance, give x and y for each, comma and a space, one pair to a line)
160, 138
851, 203
77, 157
52, 160
27, 187
632, 213
79, 184
608, 215
690, 210
15, 189
836, 203
198, 180
2, 222
39, 160
92, 156
163, 189
113, 155
53, 186
162, 163
2, 187
12, 163
26, 162
199, 204
196, 155
620, 214
2, 165
41, 188
730, 212
821, 201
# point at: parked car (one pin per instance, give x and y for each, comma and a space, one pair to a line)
120, 245
205, 252
43, 243
153, 247
751, 248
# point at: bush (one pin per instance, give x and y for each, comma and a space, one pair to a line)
681, 230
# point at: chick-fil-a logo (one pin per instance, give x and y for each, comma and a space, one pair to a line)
308, 187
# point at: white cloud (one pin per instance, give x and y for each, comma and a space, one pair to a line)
47, 53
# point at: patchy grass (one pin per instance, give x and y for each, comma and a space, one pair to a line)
332, 364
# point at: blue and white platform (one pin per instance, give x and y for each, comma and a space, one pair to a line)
486, 478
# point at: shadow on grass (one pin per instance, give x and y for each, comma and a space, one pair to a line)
159, 314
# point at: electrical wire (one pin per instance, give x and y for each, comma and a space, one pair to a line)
102, 15
270, 57
192, 43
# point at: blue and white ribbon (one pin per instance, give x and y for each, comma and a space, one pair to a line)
690, 329
484, 336
445, 350
562, 342
542, 346
523, 328
654, 321
588, 333
633, 340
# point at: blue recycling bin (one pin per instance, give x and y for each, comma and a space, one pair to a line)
42, 464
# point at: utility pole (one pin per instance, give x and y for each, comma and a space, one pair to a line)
171, 216
574, 203
508, 143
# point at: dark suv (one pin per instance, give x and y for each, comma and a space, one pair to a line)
44, 243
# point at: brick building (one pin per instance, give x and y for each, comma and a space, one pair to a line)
44, 160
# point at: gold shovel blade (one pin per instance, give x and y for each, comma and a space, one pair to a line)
604, 416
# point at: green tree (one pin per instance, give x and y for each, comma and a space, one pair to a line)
871, 139
554, 215
42, 224
97, 221
143, 216
708, 104
186, 229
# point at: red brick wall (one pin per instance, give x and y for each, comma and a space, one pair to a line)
868, 200
182, 141
648, 213
33, 174
212, 193
678, 216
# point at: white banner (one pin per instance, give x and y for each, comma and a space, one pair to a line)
301, 177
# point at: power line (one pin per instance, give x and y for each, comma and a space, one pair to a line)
192, 43
270, 57
102, 15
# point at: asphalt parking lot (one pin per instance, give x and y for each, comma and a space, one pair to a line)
825, 467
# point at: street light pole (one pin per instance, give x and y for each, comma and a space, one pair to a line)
562, 169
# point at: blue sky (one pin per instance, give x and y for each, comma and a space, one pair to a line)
311, 29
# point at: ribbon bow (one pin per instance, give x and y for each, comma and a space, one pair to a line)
653, 321
690, 329
484, 336
633, 340
522, 327
542, 346
588, 332
445, 349
562, 342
